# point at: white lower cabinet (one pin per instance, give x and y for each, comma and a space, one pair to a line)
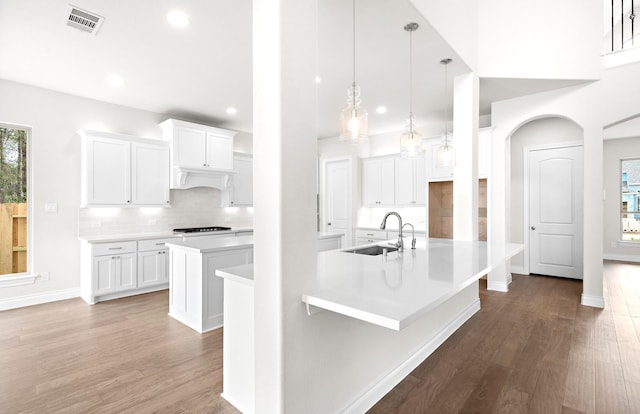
195, 292
114, 273
118, 269
153, 267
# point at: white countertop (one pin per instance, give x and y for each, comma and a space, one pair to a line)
395, 290
242, 273
106, 238
207, 245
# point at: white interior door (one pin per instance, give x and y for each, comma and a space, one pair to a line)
555, 211
337, 197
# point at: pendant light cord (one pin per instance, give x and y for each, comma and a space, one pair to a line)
411, 77
446, 62
354, 45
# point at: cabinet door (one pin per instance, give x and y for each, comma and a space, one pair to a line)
242, 191
150, 174
152, 268
104, 274
378, 181
126, 271
189, 147
108, 170
420, 181
405, 181
219, 151
371, 176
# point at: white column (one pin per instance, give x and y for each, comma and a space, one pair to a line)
592, 285
498, 193
465, 175
285, 147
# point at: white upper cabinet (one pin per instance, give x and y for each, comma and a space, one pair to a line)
189, 146
119, 170
150, 181
392, 180
410, 181
378, 181
201, 155
241, 192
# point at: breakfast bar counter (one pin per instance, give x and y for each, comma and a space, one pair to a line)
396, 288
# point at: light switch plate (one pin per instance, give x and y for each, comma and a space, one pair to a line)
50, 207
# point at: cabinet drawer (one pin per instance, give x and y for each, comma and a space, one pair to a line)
371, 234
101, 249
155, 244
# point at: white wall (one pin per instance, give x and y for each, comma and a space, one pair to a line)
614, 151
55, 158
457, 22
535, 133
592, 106
543, 39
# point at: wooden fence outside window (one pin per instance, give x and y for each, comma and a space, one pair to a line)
13, 238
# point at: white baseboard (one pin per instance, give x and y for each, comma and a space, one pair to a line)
240, 407
593, 301
498, 286
622, 257
39, 298
509, 279
386, 384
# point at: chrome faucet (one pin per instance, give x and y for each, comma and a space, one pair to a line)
399, 244
413, 235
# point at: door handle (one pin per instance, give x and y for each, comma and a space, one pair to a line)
533, 228
329, 223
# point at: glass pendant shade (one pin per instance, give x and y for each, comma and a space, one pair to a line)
353, 119
410, 140
446, 155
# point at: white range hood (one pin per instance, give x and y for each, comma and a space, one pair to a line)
185, 177
201, 155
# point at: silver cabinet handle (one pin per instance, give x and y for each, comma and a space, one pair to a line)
115, 248
533, 228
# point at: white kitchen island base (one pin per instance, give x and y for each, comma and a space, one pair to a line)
382, 317
195, 294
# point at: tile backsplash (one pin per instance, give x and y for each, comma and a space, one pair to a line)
195, 207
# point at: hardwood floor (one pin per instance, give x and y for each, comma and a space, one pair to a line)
120, 356
533, 350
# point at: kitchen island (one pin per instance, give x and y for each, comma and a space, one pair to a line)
419, 297
195, 295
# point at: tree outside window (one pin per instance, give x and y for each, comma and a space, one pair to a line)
13, 200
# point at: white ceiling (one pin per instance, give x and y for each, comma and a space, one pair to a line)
197, 72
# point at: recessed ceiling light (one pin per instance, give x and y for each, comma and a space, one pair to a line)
115, 81
178, 18
318, 79
232, 111
381, 109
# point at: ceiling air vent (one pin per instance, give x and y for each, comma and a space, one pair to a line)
83, 20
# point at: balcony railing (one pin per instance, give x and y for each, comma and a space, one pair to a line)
621, 32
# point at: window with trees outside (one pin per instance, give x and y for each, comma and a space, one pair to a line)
13, 200
630, 199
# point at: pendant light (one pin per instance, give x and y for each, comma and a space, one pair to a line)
353, 118
446, 153
411, 140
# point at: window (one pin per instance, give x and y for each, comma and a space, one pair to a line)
630, 199
13, 200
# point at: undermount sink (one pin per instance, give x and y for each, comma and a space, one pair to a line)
372, 250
